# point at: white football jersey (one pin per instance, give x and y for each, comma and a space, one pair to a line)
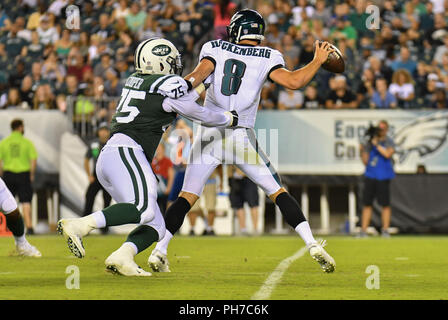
240, 72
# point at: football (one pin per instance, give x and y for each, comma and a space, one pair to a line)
335, 62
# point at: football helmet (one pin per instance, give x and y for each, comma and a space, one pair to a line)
246, 24
157, 56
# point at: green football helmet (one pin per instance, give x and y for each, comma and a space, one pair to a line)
246, 24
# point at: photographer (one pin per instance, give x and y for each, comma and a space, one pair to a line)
376, 154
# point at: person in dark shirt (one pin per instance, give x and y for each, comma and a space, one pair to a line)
312, 100
340, 97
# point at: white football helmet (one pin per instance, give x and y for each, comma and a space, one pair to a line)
157, 56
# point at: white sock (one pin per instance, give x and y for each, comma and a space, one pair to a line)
130, 247
162, 245
304, 230
96, 220
20, 240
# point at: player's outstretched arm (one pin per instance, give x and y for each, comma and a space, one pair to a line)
299, 78
187, 107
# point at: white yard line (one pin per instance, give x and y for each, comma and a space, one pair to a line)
274, 278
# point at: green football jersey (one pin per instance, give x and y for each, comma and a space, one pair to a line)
140, 114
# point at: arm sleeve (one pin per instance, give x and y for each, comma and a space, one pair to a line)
208, 53
276, 61
172, 86
187, 107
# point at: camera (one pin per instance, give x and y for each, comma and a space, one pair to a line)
372, 132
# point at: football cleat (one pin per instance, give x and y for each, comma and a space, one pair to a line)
319, 254
122, 263
158, 262
27, 250
73, 230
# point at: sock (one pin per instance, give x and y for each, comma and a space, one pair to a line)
20, 240
290, 209
131, 247
162, 245
96, 220
304, 230
14, 222
176, 213
142, 237
119, 214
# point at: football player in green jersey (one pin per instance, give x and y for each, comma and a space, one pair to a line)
150, 101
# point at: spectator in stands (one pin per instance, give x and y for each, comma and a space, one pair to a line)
312, 99
402, 87
104, 29
307, 51
93, 151
18, 159
15, 79
136, 18
340, 96
22, 32
52, 70
64, 44
344, 30
43, 98
36, 73
150, 29
105, 63
376, 155
290, 52
441, 51
224, 10
163, 169
35, 49
404, 61
290, 99
302, 9
76, 64
366, 88
47, 33
14, 101
34, 18
120, 11
26, 91
243, 190
5, 22
269, 96
440, 101
381, 97
14, 44
112, 86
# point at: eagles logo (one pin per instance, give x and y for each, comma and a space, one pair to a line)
161, 50
424, 136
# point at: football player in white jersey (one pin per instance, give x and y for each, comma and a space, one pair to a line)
236, 70
14, 222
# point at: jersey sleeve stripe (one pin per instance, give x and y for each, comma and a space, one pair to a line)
212, 60
278, 66
156, 84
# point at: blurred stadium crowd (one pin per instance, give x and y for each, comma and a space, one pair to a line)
80, 71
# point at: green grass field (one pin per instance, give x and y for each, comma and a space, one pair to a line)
217, 268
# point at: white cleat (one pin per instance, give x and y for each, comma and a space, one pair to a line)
319, 254
73, 230
158, 262
27, 250
121, 262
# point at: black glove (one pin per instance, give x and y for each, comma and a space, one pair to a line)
235, 118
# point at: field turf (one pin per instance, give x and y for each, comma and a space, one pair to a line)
233, 268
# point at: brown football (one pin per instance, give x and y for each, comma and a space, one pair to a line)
335, 62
